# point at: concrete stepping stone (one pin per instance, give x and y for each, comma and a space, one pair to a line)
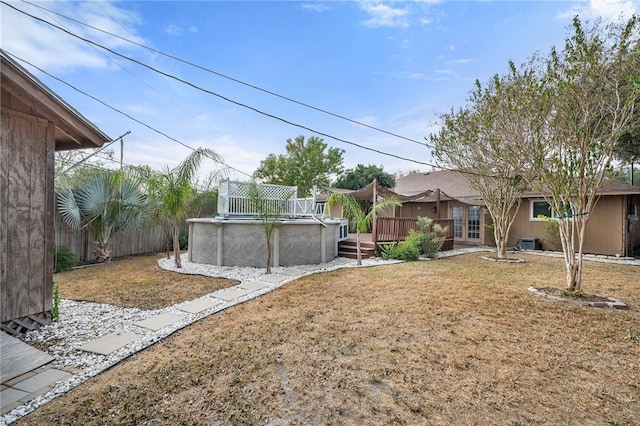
10, 395
18, 357
229, 294
292, 272
109, 343
158, 322
310, 268
252, 285
47, 378
197, 306
273, 278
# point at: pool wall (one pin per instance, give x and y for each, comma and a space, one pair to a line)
241, 242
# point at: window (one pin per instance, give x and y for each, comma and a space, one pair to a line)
541, 207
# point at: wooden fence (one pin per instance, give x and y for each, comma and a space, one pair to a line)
390, 229
149, 239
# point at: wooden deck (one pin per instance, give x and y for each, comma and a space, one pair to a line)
389, 229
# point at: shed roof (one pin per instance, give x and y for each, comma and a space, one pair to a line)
73, 130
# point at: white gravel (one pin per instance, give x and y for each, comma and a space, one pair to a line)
81, 322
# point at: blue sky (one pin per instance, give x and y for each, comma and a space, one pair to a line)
392, 65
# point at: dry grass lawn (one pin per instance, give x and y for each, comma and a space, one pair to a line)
457, 341
135, 282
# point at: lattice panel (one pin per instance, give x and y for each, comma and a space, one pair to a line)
273, 192
24, 324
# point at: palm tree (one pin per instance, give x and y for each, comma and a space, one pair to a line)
352, 210
171, 191
269, 211
106, 202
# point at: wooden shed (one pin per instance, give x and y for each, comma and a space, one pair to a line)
35, 123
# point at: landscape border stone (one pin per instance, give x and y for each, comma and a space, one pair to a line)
611, 303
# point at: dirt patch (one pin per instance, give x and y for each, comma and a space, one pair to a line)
135, 281
453, 341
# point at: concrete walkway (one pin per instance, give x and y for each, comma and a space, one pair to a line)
32, 389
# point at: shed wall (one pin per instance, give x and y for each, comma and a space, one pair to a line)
27, 146
604, 233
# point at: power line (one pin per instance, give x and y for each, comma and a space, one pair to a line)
221, 96
235, 80
117, 110
226, 99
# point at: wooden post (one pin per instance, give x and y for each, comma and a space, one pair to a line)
438, 203
374, 228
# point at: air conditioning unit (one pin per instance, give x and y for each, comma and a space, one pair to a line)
529, 244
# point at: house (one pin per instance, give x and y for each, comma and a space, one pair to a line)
613, 227
35, 123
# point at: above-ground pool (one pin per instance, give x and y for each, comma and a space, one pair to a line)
242, 242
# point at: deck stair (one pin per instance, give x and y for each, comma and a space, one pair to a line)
348, 248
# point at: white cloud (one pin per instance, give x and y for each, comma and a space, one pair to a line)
52, 48
608, 10
173, 29
315, 7
177, 30
384, 15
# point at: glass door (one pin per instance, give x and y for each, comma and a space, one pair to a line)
457, 214
473, 228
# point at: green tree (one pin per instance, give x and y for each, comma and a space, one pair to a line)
306, 164
269, 211
106, 202
588, 92
628, 147
352, 210
73, 167
363, 175
477, 139
172, 190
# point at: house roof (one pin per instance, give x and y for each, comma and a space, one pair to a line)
613, 188
455, 185
72, 129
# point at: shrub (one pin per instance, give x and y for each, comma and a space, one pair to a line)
55, 309
64, 259
386, 250
429, 237
183, 240
551, 234
406, 250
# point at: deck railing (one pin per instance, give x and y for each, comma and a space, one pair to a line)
390, 229
234, 200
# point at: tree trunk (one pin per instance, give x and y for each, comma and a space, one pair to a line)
573, 266
102, 252
268, 271
176, 246
358, 252
501, 241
